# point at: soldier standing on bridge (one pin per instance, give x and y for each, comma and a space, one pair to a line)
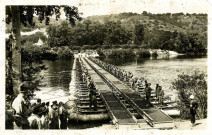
157, 90
94, 101
160, 95
91, 92
148, 93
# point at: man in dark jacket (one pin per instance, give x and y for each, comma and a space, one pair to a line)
148, 93
94, 102
63, 116
91, 92
193, 109
54, 116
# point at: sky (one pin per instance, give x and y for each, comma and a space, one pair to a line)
107, 7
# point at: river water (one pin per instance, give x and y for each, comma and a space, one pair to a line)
55, 82
163, 71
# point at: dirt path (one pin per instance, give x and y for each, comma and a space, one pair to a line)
186, 125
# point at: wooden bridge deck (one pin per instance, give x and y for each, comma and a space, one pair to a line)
117, 111
151, 112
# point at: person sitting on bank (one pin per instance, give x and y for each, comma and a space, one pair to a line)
193, 110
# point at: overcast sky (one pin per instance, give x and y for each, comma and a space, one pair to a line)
105, 7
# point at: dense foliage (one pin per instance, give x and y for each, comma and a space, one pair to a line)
21, 60
191, 84
134, 31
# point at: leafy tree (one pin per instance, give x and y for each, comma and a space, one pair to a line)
115, 34
59, 35
18, 15
191, 84
138, 35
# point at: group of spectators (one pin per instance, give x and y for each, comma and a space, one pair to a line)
39, 115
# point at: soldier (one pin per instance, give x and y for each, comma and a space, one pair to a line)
160, 95
148, 93
193, 109
91, 92
94, 102
156, 90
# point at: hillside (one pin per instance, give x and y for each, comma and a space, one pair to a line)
167, 22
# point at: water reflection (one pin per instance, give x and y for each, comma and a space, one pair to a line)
58, 74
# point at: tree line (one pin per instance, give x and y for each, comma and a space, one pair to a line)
111, 34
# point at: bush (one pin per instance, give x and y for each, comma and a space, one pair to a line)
134, 46
99, 51
85, 47
125, 46
191, 84
105, 47
95, 47
116, 46
75, 47
64, 52
143, 54
122, 53
154, 54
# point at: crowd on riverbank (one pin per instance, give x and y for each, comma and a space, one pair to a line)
41, 115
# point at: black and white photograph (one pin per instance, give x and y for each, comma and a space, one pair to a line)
106, 65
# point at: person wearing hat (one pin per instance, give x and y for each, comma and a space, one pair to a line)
54, 116
37, 106
193, 109
23, 111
